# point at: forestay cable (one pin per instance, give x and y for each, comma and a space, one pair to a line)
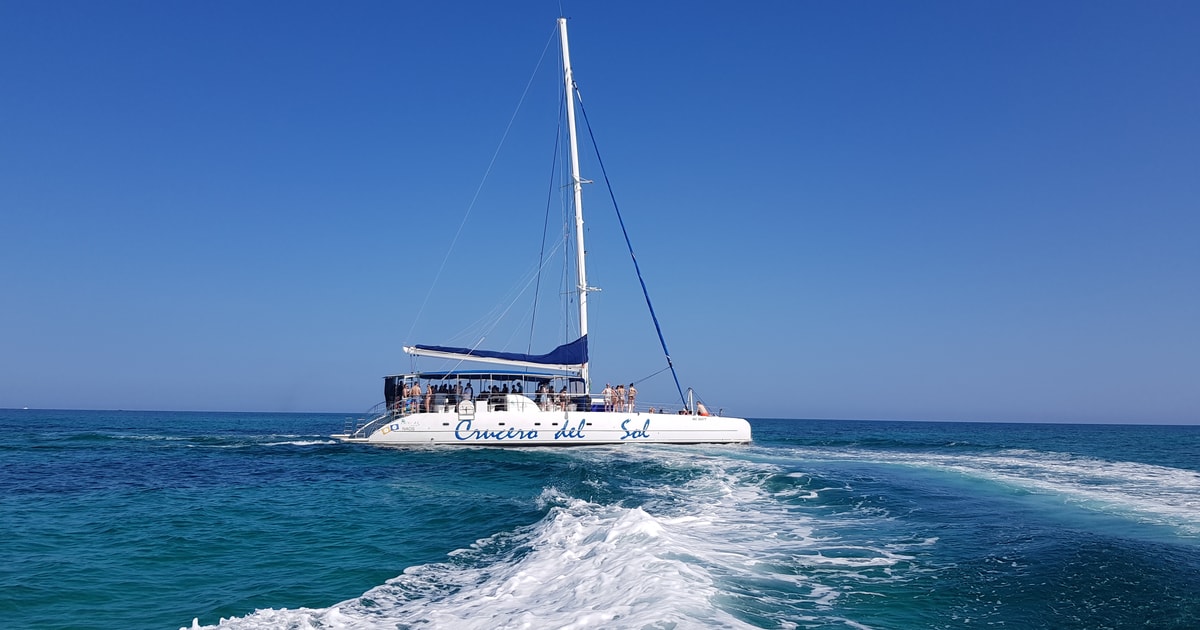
629, 244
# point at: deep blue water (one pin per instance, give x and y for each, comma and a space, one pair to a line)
154, 519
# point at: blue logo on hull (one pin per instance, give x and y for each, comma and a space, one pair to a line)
571, 433
643, 432
463, 432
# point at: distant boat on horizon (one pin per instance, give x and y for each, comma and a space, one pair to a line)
535, 400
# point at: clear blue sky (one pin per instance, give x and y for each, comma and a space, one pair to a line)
935, 210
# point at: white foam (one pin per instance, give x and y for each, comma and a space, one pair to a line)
300, 443
1147, 493
673, 561
151, 438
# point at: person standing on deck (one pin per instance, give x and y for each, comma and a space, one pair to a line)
608, 397
632, 397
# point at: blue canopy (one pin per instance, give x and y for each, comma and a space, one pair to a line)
565, 357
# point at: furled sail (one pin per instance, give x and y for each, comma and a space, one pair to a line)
569, 356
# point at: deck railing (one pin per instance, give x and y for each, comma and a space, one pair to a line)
374, 418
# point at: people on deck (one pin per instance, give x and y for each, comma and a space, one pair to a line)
411, 396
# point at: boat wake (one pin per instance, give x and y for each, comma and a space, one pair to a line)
725, 548
1145, 493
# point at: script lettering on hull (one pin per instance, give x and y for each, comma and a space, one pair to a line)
464, 433
571, 433
634, 434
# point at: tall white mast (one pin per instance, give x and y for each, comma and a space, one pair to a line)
577, 184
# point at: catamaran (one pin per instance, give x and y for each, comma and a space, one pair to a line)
535, 400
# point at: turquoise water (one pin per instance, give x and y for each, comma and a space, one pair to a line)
156, 519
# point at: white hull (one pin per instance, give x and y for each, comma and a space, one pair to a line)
554, 428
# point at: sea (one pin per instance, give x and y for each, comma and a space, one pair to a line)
123, 519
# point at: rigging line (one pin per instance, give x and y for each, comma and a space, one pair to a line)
646, 378
486, 323
629, 244
460, 361
567, 281
545, 224
437, 276
511, 303
489, 319
533, 312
